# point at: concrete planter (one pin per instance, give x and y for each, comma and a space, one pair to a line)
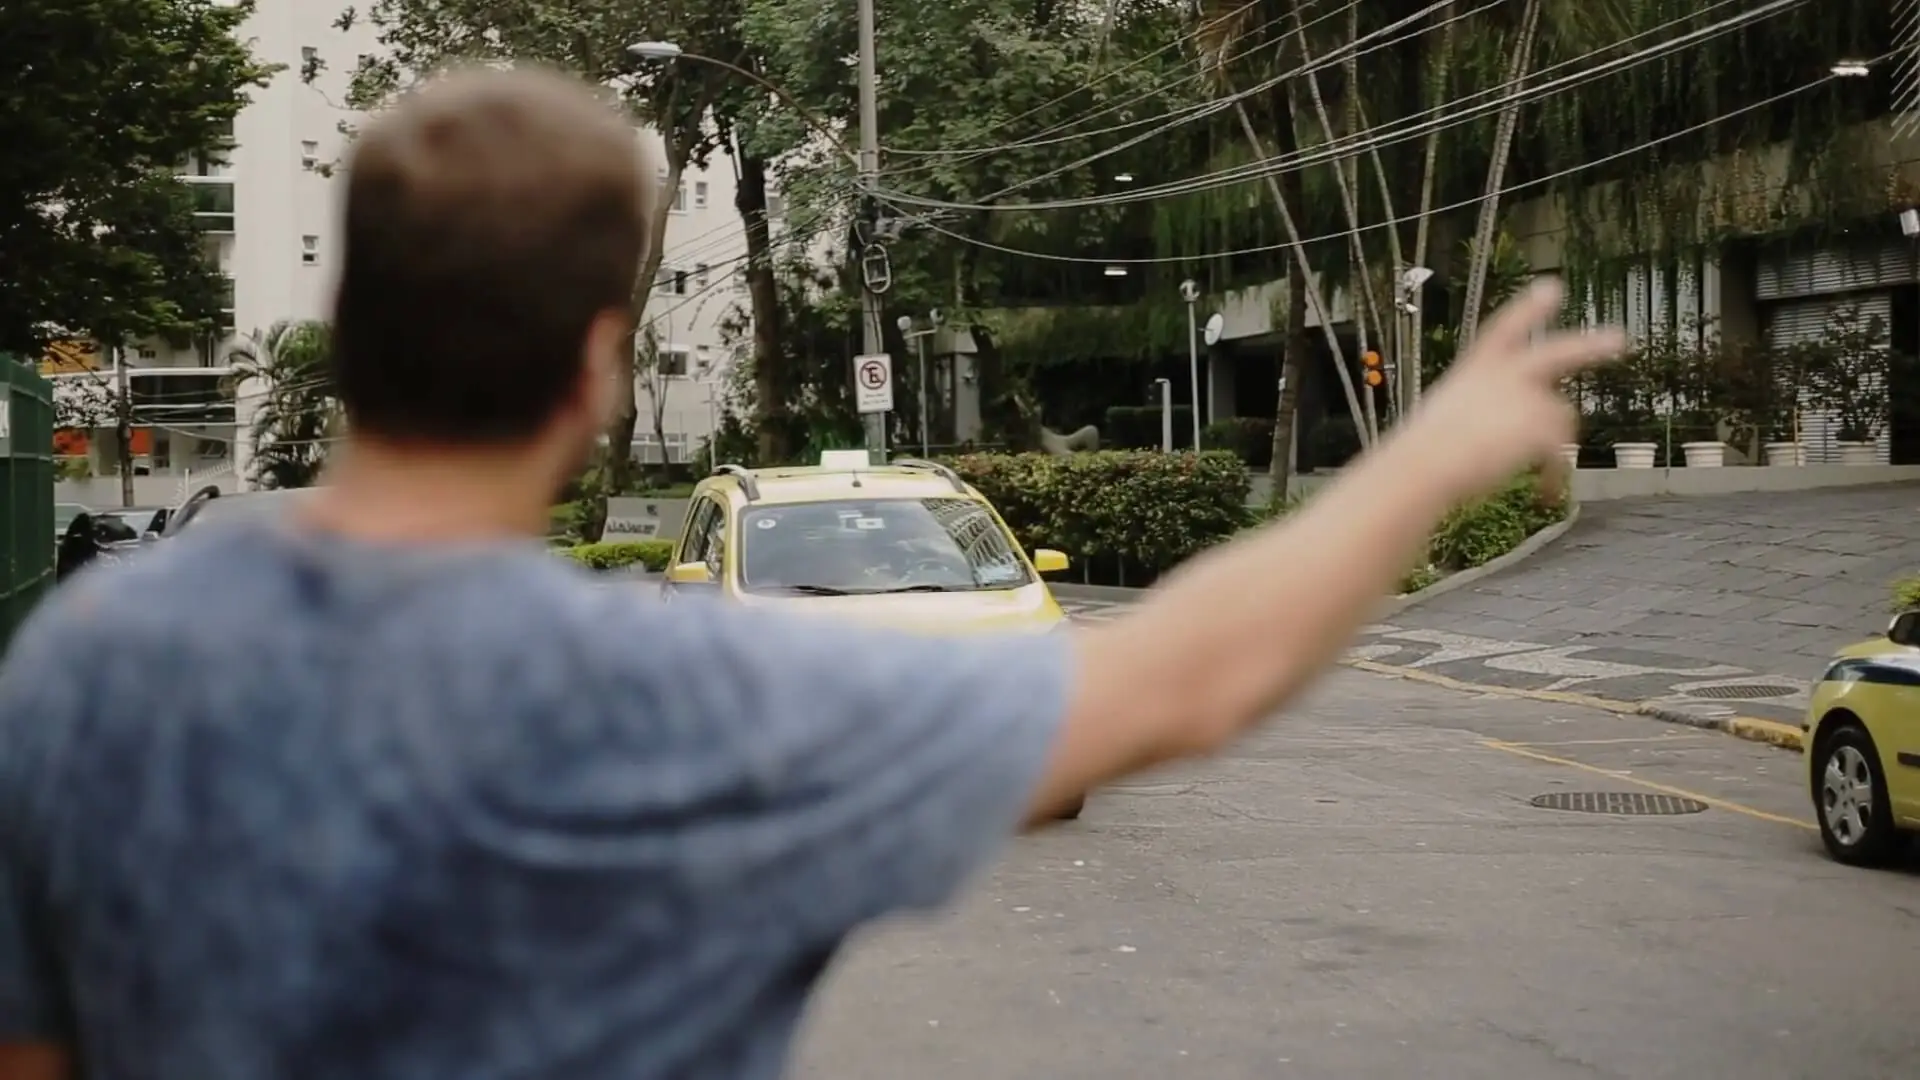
1570, 453
1634, 455
1705, 455
1855, 453
1786, 454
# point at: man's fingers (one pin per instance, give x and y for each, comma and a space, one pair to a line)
1566, 354
1507, 330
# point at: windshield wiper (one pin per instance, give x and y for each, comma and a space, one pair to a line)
817, 590
928, 588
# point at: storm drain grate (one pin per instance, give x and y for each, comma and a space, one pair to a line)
1626, 803
1741, 691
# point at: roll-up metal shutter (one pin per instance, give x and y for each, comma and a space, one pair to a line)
1835, 270
1795, 321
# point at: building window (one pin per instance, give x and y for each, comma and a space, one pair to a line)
703, 360
670, 281
310, 250
148, 352
213, 205
700, 195
673, 362
309, 155
776, 207
740, 280
679, 194
702, 276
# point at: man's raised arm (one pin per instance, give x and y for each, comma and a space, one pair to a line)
1239, 631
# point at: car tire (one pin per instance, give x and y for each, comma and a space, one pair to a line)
1072, 811
1850, 799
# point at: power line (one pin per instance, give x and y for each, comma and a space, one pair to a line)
1038, 139
1391, 222
1351, 146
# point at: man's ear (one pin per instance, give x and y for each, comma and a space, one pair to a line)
609, 341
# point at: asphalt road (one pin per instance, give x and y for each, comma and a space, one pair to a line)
1364, 891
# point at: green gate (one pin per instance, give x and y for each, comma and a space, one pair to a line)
26, 492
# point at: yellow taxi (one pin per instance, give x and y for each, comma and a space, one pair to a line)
907, 545
1862, 736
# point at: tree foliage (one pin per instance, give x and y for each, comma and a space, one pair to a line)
286, 374
100, 102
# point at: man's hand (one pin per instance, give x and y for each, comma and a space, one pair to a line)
1238, 631
1500, 410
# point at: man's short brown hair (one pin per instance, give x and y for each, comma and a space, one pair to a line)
490, 218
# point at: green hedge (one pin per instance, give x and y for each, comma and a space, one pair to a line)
1132, 515
619, 554
1906, 594
1480, 532
1126, 514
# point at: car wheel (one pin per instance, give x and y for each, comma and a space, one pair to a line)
1072, 812
1850, 799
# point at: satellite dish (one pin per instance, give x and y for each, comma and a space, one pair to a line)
1216, 325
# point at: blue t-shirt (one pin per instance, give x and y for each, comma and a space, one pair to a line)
274, 804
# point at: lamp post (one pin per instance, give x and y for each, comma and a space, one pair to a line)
919, 337
1407, 329
866, 164
1190, 292
1166, 415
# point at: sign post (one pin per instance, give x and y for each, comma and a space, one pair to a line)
873, 390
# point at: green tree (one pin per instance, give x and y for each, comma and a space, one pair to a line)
100, 103
981, 101
286, 375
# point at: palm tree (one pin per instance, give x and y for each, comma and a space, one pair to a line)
287, 375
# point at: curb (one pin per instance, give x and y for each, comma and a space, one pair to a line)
1124, 594
1747, 728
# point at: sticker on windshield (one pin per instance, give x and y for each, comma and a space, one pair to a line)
997, 575
869, 524
765, 523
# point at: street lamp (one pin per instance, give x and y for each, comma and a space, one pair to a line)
1190, 292
1849, 69
1406, 334
919, 337
1166, 414
667, 51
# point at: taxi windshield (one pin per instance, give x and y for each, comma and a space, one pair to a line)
877, 546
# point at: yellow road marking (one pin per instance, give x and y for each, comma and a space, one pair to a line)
1678, 736
1749, 728
1520, 750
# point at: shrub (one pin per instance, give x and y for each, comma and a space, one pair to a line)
618, 554
1906, 594
1248, 437
1137, 427
1147, 510
1477, 533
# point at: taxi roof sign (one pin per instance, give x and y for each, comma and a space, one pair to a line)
845, 459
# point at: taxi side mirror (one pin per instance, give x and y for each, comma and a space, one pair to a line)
1049, 561
1905, 629
690, 573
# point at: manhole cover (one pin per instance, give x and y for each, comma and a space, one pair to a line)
1629, 803
1741, 691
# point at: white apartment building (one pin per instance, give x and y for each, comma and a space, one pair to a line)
270, 210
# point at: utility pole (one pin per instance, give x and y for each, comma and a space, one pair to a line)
123, 424
871, 341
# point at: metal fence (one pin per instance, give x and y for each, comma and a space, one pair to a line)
26, 492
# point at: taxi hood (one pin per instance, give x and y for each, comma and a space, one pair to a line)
1028, 609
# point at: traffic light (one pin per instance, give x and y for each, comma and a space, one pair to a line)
1371, 361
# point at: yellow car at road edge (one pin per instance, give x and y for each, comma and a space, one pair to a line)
1862, 740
